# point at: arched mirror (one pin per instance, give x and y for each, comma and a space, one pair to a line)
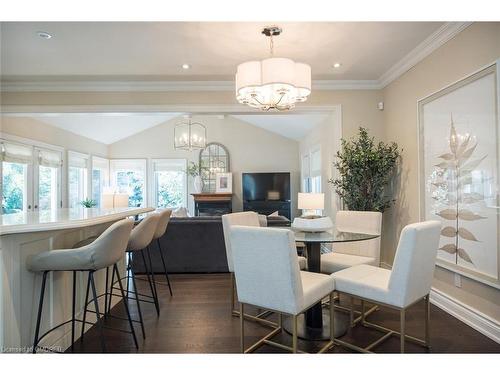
213, 159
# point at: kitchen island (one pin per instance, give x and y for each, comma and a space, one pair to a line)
27, 233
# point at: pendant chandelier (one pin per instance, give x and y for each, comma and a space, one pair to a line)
275, 83
189, 135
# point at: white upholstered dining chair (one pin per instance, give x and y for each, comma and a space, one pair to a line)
268, 276
407, 283
250, 219
348, 254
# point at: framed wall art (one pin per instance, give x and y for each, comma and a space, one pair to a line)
459, 173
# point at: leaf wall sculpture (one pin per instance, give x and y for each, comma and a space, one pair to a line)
459, 169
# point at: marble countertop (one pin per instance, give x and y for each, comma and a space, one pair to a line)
64, 218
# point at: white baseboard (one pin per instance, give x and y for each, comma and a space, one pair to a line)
467, 314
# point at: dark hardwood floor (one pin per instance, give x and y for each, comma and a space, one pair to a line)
197, 320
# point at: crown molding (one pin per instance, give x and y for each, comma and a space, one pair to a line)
163, 86
424, 49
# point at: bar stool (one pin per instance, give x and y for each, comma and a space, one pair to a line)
104, 252
140, 238
161, 228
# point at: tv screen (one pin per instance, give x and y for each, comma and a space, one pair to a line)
266, 186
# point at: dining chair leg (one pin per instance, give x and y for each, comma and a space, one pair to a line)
294, 335
125, 303
106, 309
136, 295
402, 332
164, 267
99, 322
232, 292
157, 302
85, 303
146, 269
362, 311
39, 314
427, 321
280, 322
242, 328
111, 292
332, 318
73, 313
351, 313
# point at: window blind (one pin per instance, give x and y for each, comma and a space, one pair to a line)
164, 165
49, 158
16, 153
77, 160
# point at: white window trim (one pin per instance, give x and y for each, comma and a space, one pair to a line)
32, 194
152, 186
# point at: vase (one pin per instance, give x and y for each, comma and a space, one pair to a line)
197, 185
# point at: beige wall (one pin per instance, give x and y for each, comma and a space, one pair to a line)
251, 149
472, 49
326, 136
39, 131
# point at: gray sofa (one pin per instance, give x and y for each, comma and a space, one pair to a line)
194, 245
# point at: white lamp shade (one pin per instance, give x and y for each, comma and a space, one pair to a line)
248, 75
303, 80
278, 70
121, 200
112, 200
311, 201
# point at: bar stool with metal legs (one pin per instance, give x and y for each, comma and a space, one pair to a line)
161, 228
106, 251
140, 237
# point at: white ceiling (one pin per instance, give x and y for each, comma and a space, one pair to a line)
295, 126
149, 50
106, 128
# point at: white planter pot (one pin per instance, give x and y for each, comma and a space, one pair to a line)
197, 185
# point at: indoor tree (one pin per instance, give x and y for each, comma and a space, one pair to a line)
365, 169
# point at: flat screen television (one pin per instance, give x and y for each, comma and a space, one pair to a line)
266, 187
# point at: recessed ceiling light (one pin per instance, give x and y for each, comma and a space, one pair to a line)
337, 65
186, 66
44, 34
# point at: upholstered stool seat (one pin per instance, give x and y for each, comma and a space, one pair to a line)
103, 252
161, 228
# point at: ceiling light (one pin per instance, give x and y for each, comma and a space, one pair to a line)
337, 65
189, 135
44, 35
275, 83
186, 66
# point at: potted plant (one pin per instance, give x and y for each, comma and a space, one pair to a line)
365, 169
194, 170
88, 203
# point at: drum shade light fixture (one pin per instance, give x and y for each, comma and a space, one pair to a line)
276, 83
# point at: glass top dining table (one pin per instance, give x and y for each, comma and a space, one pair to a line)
314, 325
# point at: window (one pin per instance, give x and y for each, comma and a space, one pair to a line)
311, 172
169, 183
77, 178
100, 178
48, 179
17, 162
129, 176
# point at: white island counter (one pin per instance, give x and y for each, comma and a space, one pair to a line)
23, 234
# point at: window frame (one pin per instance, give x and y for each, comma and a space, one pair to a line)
114, 163
154, 189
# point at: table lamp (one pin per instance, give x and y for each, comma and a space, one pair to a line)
310, 221
114, 200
